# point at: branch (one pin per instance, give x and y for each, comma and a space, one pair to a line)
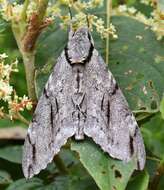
108, 13
26, 35
60, 165
156, 179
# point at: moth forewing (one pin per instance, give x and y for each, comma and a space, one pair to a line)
81, 97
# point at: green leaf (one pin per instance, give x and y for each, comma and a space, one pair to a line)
136, 62
107, 172
139, 182
23, 184
12, 154
72, 181
3, 25
7, 40
153, 131
5, 178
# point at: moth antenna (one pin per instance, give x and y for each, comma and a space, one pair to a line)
70, 13
70, 30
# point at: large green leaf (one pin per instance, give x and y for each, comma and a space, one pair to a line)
153, 131
107, 172
139, 182
12, 153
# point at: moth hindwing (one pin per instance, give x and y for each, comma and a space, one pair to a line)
81, 97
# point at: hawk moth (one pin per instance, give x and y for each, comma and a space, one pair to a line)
81, 97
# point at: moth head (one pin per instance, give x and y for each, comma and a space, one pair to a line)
79, 46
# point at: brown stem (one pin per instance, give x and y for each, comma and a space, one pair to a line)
60, 164
156, 179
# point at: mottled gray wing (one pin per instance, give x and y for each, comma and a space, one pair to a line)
110, 122
51, 125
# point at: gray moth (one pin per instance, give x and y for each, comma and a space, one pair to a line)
81, 97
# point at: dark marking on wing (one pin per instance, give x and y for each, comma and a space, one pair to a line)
136, 130
51, 116
45, 93
28, 137
138, 164
78, 79
115, 89
57, 105
102, 102
108, 112
33, 148
131, 145
33, 153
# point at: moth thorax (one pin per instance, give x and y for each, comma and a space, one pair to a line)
79, 46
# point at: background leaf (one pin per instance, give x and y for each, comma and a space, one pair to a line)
23, 184
139, 182
5, 178
12, 153
153, 131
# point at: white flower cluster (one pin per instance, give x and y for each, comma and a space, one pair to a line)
12, 11
155, 22
7, 92
5, 71
81, 19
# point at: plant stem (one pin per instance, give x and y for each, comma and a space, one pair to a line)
24, 11
18, 116
60, 164
22, 119
108, 14
29, 61
42, 9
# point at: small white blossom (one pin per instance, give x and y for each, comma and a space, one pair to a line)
5, 90
122, 8
132, 10
3, 56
